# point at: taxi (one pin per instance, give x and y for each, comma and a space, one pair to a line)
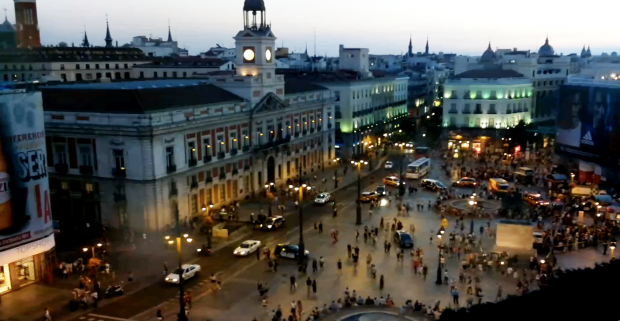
535, 199
368, 196
391, 181
466, 182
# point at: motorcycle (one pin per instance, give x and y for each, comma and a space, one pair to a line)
115, 290
204, 250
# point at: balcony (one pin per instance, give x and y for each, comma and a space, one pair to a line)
86, 170
478, 111
311, 130
329, 125
246, 167
61, 168
453, 111
119, 172
221, 155
171, 168
273, 144
245, 148
207, 158
338, 115
173, 192
466, 111
192, 162
193, 185
222, 175
296, 134
119, 197
234, 152
492, 111
305, 132
208, 180
235, 171
508, 112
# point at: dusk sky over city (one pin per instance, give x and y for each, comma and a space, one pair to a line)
463, 27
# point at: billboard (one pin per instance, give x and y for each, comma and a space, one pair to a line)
25, 212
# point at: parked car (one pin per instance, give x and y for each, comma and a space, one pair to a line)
466, 182
288, 251
186, 270
433, 184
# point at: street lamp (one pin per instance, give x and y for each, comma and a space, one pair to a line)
572, 177
358, 219
181, 316
93, 249
302, 250
612, 247
336, 160
438, 281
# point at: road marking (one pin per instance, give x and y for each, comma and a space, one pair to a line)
82, 318
106, 317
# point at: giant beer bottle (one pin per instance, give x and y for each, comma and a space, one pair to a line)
6, 216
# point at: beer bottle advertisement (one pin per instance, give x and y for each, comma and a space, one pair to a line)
25, 211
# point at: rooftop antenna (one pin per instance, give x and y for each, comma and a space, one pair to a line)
315, 41
5, 15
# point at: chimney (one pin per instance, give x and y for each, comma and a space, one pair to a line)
116, 43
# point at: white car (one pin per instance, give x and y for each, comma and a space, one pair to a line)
187, 270
322, 198
388, 165
247, 247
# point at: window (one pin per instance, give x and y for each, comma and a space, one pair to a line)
63, 77
119, 159
492, 109
107, 66
477, 122
96, 66
77, 66
85, 157
142, 74
165, 74
191, 151
126, 66
220, 143
108, 75
155, 74
222, 192
246, 137
170, 156
194, 201
98, 75
491, 122
184, 74
174, 74
207, 146
61, 154
62, 66
87, 66
233, 139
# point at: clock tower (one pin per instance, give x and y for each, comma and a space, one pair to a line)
256, 44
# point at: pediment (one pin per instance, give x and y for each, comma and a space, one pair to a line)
271, 102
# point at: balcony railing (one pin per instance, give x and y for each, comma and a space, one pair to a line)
208, 180
235, 171
508, 111
478, 111
221, 155
193, 185
192, 162
233, 152
61, 168
466, 111
492, 111
86, 170
305, 132
222, 175
173, 192
453, 111
311, 130
207, 158
329, 125
119, 172
171, 168
245, 148
273, 144
296, 134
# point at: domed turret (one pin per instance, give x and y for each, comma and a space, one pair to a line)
6, 26
546, 49
254, 5
488, 55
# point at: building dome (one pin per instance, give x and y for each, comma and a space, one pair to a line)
546, 49
6, 26
254, 5
488, 55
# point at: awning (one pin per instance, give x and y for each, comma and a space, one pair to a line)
558, 177
581, 190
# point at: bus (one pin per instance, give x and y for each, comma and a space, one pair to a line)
421, 152
418, 168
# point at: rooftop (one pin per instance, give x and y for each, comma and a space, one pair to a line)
184, 62
295, 86
341, 76
489, 73
134, 97
50, 54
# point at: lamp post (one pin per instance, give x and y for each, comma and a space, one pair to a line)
302, 250
472, 202
208, 222
612, 247
401, 185
572, 177
358, 219
336, 160
438, 281
93, 249
181, 316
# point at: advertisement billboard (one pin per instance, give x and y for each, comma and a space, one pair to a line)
25, 212
588, 124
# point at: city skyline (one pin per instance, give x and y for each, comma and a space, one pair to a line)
462, 28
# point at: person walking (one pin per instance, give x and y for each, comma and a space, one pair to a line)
315, 265
321, 227
275, 265
308, 285
314, 286
293, 283
499, 294
349, 250
424, 271
381, 282
159, 316
357, 235
47, 315
368, 259
455, 296
339, 266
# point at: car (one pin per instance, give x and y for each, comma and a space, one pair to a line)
391, 181
433, 184
466, 182
247, 247
288, 251
322, 198
535, 199
388, 165
403, 239
369, 196
271, 223
380, 190
188, 271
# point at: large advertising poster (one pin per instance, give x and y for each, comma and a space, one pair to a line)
589, 124
25, 214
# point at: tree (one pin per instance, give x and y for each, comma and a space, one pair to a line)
519, 136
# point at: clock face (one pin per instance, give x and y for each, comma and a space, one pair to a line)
268, 55
248, 54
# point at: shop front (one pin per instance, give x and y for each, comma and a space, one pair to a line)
26, 264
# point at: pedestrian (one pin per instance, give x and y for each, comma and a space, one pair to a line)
368, 259
165, 268
499, 294
213, 281
605, 248
275, 265
314, 286
321, 262
385, 246
159, 316
293, 283
389, 246
357, 235
129, 276
349, 250
365, 236
455, 296
293, 308
95, 297
445, 277
315, 266
339, 266
258, 254
321, 227
47, 315
308, 285
381, 282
